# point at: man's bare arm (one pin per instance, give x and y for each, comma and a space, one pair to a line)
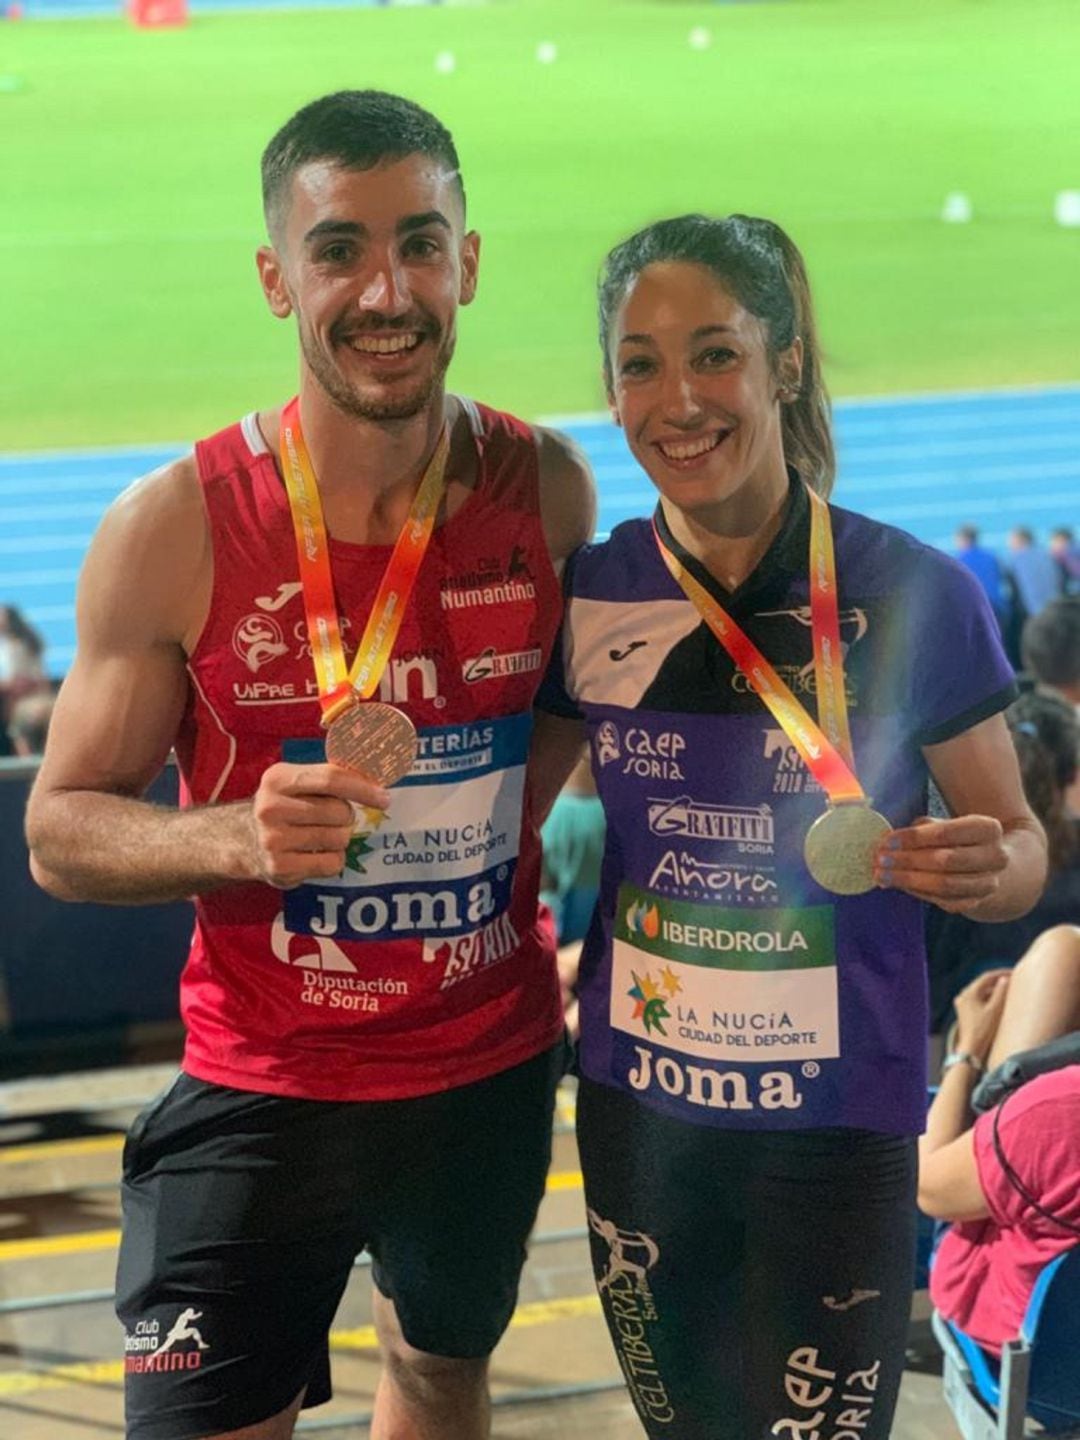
568, 511
143, 598
567, 495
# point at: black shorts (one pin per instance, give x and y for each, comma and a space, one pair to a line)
243, 1214
755, 1284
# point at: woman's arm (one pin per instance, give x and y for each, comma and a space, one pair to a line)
989, 862
949, 1184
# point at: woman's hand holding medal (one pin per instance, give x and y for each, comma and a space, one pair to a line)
954, 864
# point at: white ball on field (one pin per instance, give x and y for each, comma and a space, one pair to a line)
1067, 208
957, 208
547, 52
700, 38
445, 62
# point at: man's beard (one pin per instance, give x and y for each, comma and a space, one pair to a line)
360, 405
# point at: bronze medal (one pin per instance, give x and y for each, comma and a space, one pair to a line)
839, 847
375, 740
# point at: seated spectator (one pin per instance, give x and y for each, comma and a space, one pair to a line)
29, 723
21, 669
1066, 552
1034, 570
1050, 649
1046, 734
1011, 1181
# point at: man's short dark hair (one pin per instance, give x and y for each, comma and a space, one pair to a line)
1050, 644
356, 129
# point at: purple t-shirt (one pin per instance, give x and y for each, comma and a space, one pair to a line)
719, 983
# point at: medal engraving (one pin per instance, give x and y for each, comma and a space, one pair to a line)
376, 740
839, 848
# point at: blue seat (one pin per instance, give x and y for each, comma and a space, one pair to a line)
1038, 1375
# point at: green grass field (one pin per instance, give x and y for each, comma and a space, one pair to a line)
129, 208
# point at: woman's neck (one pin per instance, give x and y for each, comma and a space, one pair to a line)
731, 538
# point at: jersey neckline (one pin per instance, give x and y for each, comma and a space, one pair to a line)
788, 554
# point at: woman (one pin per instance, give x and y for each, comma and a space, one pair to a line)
1011, 1180
752, 1053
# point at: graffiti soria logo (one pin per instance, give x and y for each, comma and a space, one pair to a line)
258, 639
650, 998
490, 665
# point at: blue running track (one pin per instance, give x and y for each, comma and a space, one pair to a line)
994, 459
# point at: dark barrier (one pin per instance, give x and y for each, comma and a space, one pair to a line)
79, 981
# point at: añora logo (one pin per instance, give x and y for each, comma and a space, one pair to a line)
257, 639
650, 998
642, 919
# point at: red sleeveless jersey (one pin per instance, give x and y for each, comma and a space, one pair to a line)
422, 966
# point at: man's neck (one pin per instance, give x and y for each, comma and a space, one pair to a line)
368, 471
373, 457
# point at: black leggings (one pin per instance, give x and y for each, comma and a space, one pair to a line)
754, 1284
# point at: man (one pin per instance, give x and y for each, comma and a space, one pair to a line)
1034, 571
370, 1057
984, 565
1066, 554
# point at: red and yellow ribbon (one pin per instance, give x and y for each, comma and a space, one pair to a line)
340, 685
826, 752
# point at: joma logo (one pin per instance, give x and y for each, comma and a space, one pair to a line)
714, 1089
407, 911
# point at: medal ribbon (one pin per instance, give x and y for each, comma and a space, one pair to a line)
827, 752
339, 685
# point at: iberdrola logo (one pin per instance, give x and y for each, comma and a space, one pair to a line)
642, 919
651, 998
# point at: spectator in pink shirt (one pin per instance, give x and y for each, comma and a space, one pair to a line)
1011, 1181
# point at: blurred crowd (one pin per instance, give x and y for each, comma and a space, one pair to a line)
1022, 584
26, 695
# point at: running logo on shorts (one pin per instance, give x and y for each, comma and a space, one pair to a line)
145, 1351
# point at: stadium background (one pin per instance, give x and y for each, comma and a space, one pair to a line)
129, 214
129, 208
